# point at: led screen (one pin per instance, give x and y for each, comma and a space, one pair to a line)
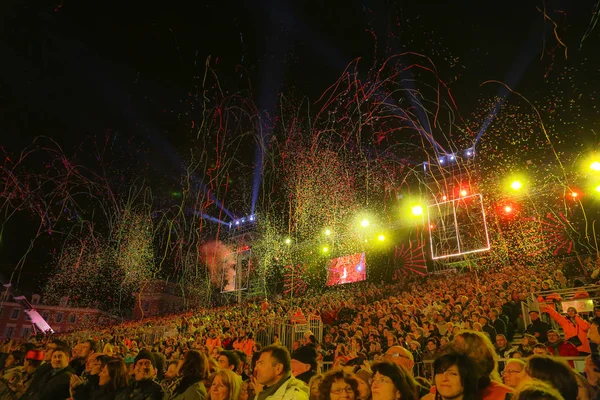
347, 269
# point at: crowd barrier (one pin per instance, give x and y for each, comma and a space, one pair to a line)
425, 368
288, 332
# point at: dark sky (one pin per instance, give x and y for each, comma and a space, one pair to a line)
77, 68
74, 70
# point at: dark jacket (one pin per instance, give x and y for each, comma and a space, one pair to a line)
51, 385
142, 390
305, 376
539, 326
78, 366
34, 386
499, 326
487, 328
85, 390
102, 394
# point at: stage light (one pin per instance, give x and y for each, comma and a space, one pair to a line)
516, 185
595, 166
364, 223
508, 209
327, 232
442, 160
325, 249
237, 222
243, 220
288, 241
431, 227
444, 197
381, 238
251, 218
598, 188
417, 210
452, 157
574, 194
463, 193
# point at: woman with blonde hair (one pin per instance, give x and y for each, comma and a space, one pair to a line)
225, 385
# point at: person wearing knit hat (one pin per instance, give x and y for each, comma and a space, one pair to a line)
145, 355
304, 363
144, 386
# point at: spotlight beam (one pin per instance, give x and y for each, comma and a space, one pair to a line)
527, 53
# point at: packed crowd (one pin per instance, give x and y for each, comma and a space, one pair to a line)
423, 338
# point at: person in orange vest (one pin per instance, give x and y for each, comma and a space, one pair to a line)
574, 326
212, 341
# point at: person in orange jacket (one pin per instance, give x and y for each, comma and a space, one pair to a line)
573, 325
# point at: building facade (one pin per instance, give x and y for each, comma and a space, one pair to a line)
16, 324
158, 297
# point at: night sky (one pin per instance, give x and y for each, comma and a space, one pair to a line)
77, 70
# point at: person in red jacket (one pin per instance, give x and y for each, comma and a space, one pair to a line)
573, 325
558, 347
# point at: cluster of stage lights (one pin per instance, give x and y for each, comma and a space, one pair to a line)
418, 210
327, 232
452, 158
237, 223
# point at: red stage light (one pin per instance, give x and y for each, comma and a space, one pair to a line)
444, 197
574, 194
463, 193
508, 209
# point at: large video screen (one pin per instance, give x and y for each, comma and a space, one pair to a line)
347, 269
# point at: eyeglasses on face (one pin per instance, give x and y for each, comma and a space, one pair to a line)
510, 371
347, 389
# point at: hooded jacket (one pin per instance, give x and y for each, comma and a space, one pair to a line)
291, 389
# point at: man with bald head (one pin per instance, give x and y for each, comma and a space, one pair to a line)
402, 357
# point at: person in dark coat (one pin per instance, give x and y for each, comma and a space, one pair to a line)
538, 328
143, 387
304, 363
54, 383
498, 323
487, 328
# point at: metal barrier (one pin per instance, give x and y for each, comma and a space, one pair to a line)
531, 301
289, 333
424, 369
427, 366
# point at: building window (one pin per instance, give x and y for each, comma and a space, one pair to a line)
58, 317
25, 332
72, 318
45, 315
9, 332
27, 317
15, 313
145, 305
35, 299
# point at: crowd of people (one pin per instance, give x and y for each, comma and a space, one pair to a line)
438, 337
